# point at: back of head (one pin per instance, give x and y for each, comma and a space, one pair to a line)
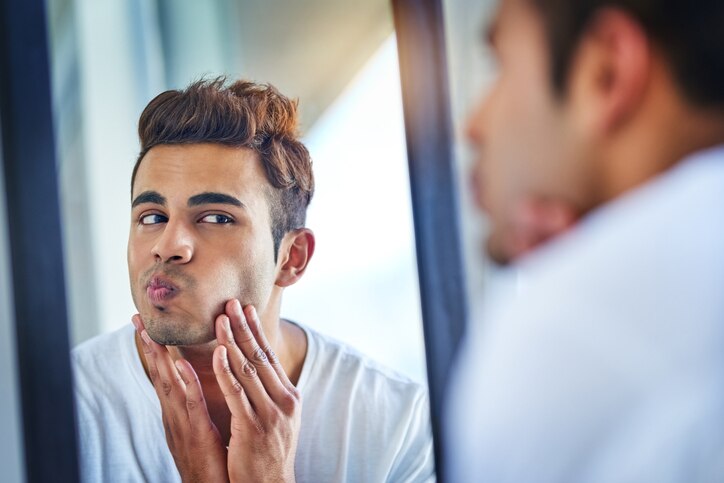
689, 33
241, 114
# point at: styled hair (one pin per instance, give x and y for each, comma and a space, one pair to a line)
246, 115
689, 33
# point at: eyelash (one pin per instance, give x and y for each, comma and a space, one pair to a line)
227, 219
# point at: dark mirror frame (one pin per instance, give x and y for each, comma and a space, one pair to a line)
419, 25
34, 232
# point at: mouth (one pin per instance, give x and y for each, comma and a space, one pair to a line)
160, 290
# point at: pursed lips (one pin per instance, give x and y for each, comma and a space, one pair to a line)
161, 290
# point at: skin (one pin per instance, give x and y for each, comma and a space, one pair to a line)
545, 159
224, 376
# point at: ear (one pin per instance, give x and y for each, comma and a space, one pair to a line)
610, 70
537, 220
295, 252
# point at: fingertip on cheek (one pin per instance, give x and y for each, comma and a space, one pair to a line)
221, 350
145, 337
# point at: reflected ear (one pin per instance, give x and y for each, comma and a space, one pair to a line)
295, 252
611, 69
537, 220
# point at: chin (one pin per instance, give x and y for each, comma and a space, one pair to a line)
171, 331
496, 251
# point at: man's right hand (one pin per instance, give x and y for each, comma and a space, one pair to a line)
193, 439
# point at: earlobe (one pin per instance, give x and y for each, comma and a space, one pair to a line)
295, 252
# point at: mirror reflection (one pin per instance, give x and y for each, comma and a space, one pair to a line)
238, 240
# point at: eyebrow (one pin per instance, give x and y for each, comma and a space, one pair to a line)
149, 197
210, 198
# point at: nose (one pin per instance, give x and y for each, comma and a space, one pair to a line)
174, 245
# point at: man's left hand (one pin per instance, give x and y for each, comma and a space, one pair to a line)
265, 406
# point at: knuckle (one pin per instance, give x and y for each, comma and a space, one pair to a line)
166, 387
288, 402
248, 369
271, 356
236, 388
191, 404
259, 356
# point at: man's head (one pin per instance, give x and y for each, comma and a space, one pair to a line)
593, 97
219, 196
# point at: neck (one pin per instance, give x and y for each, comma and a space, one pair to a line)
287, 340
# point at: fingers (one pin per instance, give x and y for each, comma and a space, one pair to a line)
198, 412
234, 393
261, 363
243, 370
256, 329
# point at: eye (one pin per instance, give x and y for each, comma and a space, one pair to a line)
152, 219
218, 219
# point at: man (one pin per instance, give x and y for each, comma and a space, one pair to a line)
213, 385
601, 167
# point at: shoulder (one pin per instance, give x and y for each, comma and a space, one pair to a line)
335, 364
102, 350
353, 403
103, 366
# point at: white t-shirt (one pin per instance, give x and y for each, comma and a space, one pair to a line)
606, 363
360, 422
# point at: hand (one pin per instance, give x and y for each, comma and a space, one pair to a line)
265, 406
193, 439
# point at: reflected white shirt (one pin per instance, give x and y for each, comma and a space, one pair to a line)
361, 422
607, 364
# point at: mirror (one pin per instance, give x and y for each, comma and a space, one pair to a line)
339, 59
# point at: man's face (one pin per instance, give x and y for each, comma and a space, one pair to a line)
527, 147
200, 235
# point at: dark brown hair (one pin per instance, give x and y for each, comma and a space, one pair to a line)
690, 33
246, 115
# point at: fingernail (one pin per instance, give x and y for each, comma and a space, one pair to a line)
223, 354
226, 323
134, 321
179, 366
237, 306
146, 338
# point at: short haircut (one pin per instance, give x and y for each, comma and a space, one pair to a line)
690, 33
246, 115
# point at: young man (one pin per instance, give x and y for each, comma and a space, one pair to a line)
213, 385
601, 167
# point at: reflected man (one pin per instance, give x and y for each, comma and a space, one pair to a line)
601, 167
212, 385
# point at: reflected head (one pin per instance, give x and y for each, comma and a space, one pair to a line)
246, 115
688, 33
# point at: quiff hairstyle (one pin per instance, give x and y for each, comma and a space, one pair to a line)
245, 115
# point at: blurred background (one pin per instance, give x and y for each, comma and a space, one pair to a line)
338, 58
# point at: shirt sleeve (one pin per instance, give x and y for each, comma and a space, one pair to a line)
414, 461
